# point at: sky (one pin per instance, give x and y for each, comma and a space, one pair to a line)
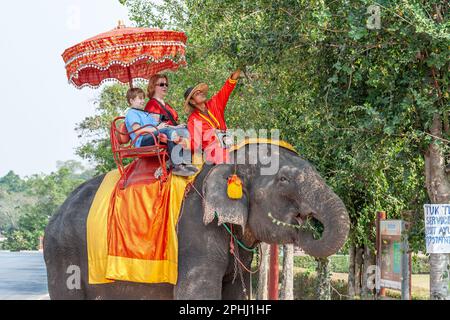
39, 109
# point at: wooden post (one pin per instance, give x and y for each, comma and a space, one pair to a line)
41, 244
274, 273
408, 217
381, 215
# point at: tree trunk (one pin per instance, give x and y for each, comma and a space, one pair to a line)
287, 284
439, 276
368, 260
351, 272
263, 274
323, 279
438, 187
358, 269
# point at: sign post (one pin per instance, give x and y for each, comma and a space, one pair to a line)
381, 215
393, 258
437, 228
273, 273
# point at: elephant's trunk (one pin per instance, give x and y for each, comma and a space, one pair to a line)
331, 212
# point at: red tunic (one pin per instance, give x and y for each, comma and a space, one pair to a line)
201, 127
154, 107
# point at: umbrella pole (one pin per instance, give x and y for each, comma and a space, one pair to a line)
130, 79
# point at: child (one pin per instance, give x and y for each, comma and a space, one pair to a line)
137, 117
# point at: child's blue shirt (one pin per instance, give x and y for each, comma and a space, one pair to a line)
140, 117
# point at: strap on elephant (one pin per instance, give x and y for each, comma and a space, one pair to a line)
243, 246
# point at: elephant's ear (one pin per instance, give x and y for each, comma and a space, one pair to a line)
216, 198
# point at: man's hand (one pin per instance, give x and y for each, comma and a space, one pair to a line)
162, 125
236, 74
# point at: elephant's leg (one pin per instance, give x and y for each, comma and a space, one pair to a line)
235, 291
64, 274
199, 280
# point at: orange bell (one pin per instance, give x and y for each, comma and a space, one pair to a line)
234, 188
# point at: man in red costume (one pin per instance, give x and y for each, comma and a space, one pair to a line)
206, 122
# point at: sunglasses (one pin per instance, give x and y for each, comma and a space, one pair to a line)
163, 84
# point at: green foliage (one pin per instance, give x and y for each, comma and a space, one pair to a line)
40, 196
14, 198
337, 263
30, 227
12, 182
420, 264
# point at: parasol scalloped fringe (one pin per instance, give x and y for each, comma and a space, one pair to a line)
126, 46
103, 82
179, 62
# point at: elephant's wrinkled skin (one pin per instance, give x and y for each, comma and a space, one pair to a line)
206, 267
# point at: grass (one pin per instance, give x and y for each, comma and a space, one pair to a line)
420, 284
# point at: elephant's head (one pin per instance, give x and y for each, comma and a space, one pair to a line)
277, 207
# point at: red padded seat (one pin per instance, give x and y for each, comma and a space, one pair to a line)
123, 148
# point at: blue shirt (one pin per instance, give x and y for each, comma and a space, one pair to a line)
141, 118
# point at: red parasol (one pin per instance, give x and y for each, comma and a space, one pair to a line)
124, 54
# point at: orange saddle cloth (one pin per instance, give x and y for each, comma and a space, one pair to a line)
131, 227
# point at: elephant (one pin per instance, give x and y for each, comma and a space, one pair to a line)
273, 209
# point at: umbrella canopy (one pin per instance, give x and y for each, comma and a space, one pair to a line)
124, 54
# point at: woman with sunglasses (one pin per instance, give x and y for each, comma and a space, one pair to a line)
157, 90
168, 118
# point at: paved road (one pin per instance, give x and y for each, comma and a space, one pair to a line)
22, 276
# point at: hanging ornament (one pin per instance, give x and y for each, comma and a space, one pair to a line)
234, 188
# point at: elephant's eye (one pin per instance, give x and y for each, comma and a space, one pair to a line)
283, 179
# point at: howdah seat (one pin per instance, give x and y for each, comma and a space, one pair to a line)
123, 148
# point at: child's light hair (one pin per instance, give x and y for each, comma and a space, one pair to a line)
133, 93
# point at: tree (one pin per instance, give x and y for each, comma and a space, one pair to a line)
287, 280
323, 279
11, 207
50, 191
438, 187
263, 274
13, 197
12, 182
30, 228
368, 107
